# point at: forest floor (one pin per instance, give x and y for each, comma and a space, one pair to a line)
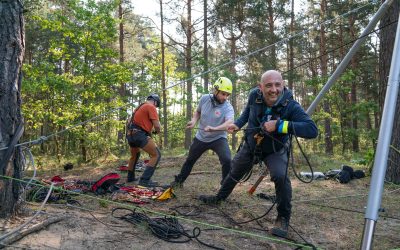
327, 214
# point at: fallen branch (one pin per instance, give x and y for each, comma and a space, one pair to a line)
35, 228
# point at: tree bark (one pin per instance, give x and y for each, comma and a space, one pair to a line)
188, 60
205, 51
324, 71
239, 23
354, 65
234, 85
271, 27
387, 37
164, 94
12, 44
122, 88
291, 50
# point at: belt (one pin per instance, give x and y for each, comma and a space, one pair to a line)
136, 128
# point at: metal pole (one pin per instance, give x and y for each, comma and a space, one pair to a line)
343, 64
382, 149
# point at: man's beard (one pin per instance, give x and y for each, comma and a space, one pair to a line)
218, 101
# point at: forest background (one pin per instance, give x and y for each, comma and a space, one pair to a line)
97, 60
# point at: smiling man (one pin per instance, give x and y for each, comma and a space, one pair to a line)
214, 114
272, 114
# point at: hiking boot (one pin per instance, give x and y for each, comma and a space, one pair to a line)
210, 199
281, 227
176, 183
146, 176
131, 176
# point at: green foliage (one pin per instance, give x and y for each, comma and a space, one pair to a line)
73, 72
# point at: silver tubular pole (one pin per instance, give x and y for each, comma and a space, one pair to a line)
382, 149
343, 64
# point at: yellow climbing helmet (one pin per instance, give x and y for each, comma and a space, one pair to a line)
223, 84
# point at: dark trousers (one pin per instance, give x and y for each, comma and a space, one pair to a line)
197, 148
277, 166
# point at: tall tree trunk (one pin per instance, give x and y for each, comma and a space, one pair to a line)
122, 88
232, 38
205, 51
291, 52
271, 27
324, 71
12, 44
234, 85
83, 141
387, 37
354, 65
342, 111
164, 94
188, 60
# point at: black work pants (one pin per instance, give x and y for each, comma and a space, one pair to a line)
277, 166
197, 148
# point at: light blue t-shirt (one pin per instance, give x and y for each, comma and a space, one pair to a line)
212, 115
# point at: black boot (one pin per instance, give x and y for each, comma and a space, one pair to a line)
210, 199
281, 227
131, 176
177, 183
146, 176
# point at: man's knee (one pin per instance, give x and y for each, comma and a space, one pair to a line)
279, 178
155, 157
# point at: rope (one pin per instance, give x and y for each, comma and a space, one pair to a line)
32, 163
334, 49
41, 139
45, 138
165, 228
351, 210
18, 229
282, 41
130, 206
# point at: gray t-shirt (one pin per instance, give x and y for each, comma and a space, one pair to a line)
212, 115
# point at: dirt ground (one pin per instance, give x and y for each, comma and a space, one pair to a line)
327, 214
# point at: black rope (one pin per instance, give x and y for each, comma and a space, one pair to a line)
298, 176
351, 210
306, 242
193, 210
247, 221
165, 228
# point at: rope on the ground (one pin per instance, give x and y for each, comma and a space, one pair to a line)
186, 210
352, 210
166, 228
131, 206
18, 229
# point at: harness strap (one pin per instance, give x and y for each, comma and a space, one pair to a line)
131, 126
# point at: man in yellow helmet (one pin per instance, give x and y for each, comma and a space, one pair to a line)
214, 114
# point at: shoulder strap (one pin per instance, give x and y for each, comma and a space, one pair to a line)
133, 114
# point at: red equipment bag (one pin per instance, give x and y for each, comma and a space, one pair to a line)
105, 182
